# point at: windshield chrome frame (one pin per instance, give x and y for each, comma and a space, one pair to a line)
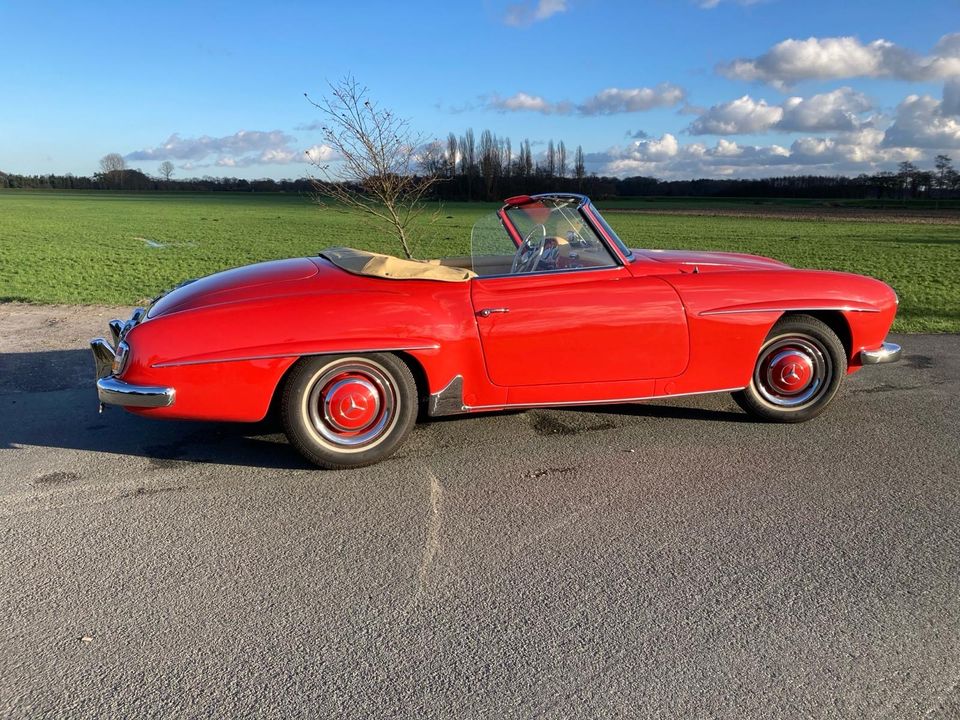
587, 212
599, 223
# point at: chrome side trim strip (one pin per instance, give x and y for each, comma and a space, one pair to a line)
116, 392
448, 400
616, 401
886, 353
739, 311
353, 351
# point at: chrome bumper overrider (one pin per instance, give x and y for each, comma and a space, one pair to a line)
886, 353
113, 391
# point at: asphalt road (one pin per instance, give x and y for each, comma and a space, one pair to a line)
660, 560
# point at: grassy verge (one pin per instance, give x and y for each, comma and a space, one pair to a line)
121, 249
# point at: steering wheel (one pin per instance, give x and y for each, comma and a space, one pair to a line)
528, 255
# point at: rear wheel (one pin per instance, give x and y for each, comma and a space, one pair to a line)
798, 371
344, 411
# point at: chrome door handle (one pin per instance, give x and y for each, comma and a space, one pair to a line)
487, 312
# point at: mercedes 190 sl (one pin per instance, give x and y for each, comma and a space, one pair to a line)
551, 308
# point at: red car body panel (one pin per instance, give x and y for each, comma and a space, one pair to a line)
554, 318
661, 323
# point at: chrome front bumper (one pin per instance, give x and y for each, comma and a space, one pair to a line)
886, 353
113, 391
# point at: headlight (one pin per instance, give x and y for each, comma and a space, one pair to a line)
120, 358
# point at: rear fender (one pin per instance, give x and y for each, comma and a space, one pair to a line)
241, 350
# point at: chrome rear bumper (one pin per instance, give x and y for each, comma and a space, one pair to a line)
886, 353
116, 392
113, 391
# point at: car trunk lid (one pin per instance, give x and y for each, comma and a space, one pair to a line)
262, 279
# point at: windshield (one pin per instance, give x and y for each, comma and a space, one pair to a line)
553, 218
627, 252
541, 236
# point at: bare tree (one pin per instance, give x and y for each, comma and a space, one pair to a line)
579, 169
923, 182
112, 166
452, 153
561, 159
551, 160
489, 162
468, 159
166, 170
377, 153
944, 166
907, 175
432, 159
112, 162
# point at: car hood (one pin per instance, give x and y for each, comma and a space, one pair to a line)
278, 277
706, 261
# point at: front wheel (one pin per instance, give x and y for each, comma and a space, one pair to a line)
799, 370
346, 411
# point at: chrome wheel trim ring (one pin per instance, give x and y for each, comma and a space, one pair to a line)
316, 411
803, 345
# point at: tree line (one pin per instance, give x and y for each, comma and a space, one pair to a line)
137, 181
489, 168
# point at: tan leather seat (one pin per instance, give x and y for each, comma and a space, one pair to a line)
361, 262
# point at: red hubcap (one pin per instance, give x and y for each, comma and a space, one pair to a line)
789, 372
351, 403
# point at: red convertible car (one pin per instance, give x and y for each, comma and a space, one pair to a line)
551, 308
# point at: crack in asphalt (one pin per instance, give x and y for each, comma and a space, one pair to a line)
432, 545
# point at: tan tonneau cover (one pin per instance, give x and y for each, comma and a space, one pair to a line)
361, 262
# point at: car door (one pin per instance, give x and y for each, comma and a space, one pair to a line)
581, 326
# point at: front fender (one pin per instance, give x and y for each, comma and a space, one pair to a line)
731, 313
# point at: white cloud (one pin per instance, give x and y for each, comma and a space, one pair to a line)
606, 102
740, 116
844, 57
653, 149
527, 13
521, 101
617, 100
850, 153
951, 97
320, 154
241, 142
838, 110
921, 122
242, 149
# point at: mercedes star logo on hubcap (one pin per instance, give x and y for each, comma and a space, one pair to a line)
351, 409
789, 374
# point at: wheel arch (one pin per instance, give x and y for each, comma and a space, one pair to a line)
416, 369
799, 369
420, 378
833, 319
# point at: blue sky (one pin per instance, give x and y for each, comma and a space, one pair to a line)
707, 87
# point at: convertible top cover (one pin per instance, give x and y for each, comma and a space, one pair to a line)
360, 262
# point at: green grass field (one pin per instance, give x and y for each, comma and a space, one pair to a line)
122, 249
